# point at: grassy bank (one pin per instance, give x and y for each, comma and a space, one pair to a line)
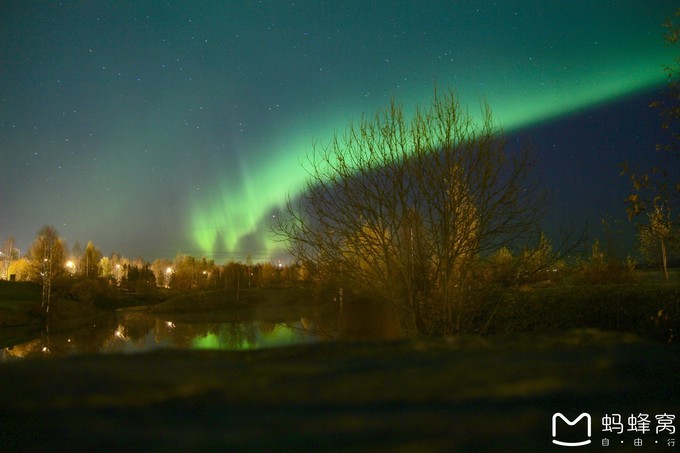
19, 303
651, 311
463, 394
468, 393
73, 303
20, 313
223, 299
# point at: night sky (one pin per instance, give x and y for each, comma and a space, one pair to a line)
158, 127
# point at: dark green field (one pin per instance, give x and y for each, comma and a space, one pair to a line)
17, 299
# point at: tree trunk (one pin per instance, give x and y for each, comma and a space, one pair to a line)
664, 259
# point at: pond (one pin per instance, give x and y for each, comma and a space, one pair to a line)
135, 331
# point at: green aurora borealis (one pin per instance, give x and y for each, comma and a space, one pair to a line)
168, 127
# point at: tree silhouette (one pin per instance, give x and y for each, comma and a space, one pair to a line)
402, 209
47, 257
656, 191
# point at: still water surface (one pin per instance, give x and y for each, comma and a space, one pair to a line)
137, 331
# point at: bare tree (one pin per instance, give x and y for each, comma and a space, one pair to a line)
659, 187
403, 209
657, 237
46, 255
89, 261
656, 191
8, 254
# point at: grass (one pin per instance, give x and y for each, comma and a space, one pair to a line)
426, 394
19, 291
472, 393
649, 310
19, 311
19, 303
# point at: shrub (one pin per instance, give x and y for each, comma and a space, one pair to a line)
94, 292
649, 311
601, 269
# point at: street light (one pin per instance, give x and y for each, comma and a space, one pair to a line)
168, 275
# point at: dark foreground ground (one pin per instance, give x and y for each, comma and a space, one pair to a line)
468, 394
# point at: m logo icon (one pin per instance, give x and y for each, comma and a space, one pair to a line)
570, 423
